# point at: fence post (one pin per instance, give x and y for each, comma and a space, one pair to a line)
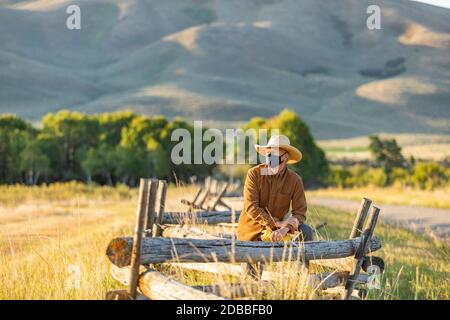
360, 218
151, 204
160, 206
137, 239
361, 253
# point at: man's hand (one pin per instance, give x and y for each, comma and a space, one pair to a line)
278, 235
291, 221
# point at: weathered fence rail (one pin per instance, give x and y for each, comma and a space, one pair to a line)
162, 250
323, 280
209, 217
211, 195
158, 238
158, 286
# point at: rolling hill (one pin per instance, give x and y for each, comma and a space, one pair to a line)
231, 60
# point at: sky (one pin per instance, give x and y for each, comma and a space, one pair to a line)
440, 3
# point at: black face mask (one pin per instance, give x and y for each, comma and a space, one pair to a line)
273, 161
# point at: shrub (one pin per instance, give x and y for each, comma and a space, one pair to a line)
358, 176
429, 176
338, 177
423, 176
401, 177
375, 177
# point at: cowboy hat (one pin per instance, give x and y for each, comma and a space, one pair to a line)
282, 142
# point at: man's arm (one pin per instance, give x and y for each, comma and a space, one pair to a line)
299, 206
251, 201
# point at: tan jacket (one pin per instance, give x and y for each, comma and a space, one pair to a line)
274, 192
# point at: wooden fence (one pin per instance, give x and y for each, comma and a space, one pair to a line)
159, 238
210, 195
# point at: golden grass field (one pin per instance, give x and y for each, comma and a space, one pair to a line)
51, 235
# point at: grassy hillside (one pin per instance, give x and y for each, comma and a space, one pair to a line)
231, 60
47, 242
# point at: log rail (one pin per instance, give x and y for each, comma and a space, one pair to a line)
162, 250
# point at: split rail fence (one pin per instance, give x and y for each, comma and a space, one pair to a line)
171, 237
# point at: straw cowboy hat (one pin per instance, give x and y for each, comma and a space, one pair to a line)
282, 142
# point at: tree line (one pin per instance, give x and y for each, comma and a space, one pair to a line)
391, 169
121, 147
106, 148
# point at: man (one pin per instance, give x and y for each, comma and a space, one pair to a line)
270, 190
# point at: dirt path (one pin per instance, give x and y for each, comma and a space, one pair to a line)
428, 221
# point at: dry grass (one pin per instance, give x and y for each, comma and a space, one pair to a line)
55, 249
416, 267
391, 195
50, 234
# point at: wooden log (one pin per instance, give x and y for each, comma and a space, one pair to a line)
336, 293
160, 250
320, 281
136, 248
214, 268
197, 195
326, 280
207, 189
123, 295
157, 286
222, 230
361, 253
360, 218
160, 205
218, 198
194, 201
343, 264
151, 206
209, 217
223, 204
229, 290
190, 232
214, 186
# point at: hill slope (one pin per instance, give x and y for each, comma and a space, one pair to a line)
231, 60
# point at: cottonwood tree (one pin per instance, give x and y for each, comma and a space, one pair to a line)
13, 134
33, 162
387, 153
76, 133
100, 161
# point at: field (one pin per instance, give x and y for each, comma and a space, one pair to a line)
437, 198
53, 240
422, 146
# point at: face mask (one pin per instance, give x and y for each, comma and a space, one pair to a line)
273, 161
